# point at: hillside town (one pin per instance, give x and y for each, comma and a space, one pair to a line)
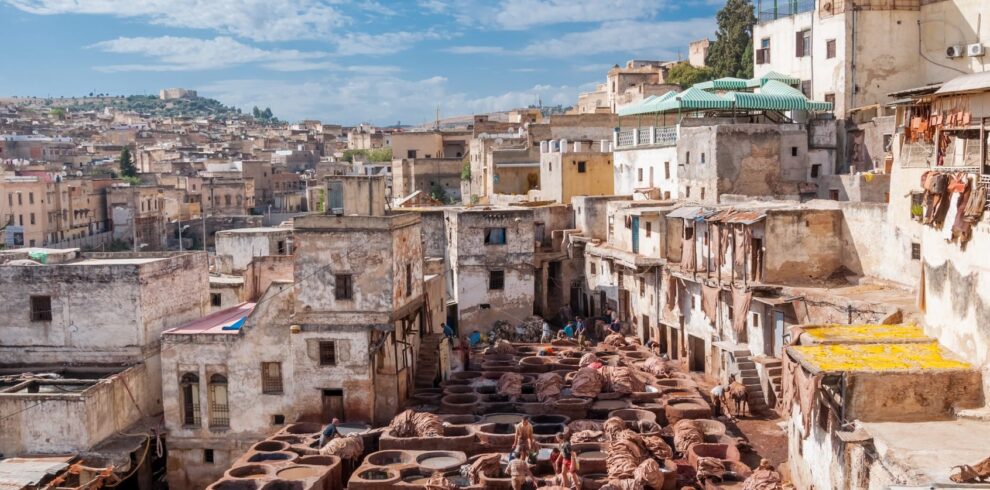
692, 277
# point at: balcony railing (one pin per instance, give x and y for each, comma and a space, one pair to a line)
648, 136
770, 10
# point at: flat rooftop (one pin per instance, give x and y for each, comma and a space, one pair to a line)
929, 450
863, 334
877, 358
223, 322
256, 230
120, 261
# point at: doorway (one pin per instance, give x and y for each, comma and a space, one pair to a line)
635, 234
333, 404
696, 359
778, 333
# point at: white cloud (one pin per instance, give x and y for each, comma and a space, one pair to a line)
525, 14
259, 20
660, 40
359, 43
187, 54
475, 50
382, 99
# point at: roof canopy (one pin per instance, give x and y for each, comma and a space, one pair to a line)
974, 82
775, 95
647, 105
772, 75
726, 83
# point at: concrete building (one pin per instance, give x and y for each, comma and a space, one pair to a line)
81, 354
575, 168
490, 267
333, 342
176, 93
238, 247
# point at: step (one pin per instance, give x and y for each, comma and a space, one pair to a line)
749, 373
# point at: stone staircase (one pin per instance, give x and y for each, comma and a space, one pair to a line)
427, 361
749, 376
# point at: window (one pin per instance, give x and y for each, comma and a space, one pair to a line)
816, 170
30, 198
219, 409
496, 280
208, 456
755, 320
687, 191
189, 385
226, 199
915, 251
806, 88
216, 299
20, 199
343, 288
702, 157
271, 378
494, 236
581, 167
642, 287
281, 247
666, 170
639, 173
830, 49
278, 419
328, 353
730, 313
10, 199
592, 269
702, 192
763, 54
802, 43
830, 98
687, 158
649, 228
410, 153
409, 282
833, 194
41, 308
32, 218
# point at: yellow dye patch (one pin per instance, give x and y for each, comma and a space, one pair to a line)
866, 333
879, 357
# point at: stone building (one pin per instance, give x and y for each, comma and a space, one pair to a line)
490, 254
340, 339
81, 358
575, 168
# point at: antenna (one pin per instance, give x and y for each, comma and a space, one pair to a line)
436, 124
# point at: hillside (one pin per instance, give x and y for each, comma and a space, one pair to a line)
143, 104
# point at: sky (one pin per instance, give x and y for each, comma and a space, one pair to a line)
382, 62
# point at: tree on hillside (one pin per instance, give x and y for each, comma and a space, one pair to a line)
127, 168
267, 113
256, 112
731, 55
685, 74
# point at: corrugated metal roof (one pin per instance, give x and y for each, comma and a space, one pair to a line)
688, 212
974, 82
772, 75
20, 473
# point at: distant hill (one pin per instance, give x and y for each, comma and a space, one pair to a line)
143, 104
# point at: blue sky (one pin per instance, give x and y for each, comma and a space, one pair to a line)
341, 61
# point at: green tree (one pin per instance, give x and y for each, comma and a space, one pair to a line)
267, 113
731, 55
439, 193
127, 168
256, 112
686, 74
57, 112
466, 169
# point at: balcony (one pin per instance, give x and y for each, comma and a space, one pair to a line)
771, 10
649, 136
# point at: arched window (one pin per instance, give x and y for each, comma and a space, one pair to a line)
190, 399
219, 409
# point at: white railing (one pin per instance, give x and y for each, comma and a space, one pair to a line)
648, 136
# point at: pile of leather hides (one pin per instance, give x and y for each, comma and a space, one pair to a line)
438, 482
615, 340
622, 380
686, 434
588, 359
657, 367
548, 386
486, 464
350, 447
710, 469
763, 478
411, 423
587, 383
510, 384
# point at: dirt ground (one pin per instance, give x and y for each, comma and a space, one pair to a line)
761, 431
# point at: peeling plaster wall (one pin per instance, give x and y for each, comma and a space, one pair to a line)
876, 245
100, 312
655, 161
471, 261
591, 214
243, 246
802, 245
957, 295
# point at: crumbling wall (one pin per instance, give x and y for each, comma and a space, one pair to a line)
802, 245
911, 397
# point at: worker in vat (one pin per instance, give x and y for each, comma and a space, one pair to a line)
329, 432
562, 459
524, 443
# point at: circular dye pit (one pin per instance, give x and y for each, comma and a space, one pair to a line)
503, 418
439, 460
375, 475
298, 472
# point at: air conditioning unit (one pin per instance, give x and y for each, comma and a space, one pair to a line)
954, 51
975, 50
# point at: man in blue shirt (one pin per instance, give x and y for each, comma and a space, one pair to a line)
447, 331
329, 432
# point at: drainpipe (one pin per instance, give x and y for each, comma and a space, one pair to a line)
855, 16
